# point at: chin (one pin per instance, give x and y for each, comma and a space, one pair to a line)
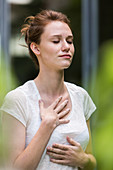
63, 65
66, 66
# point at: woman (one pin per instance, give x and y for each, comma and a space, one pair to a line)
49, 117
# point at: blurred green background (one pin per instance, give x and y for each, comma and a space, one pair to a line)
103, 130
92, 66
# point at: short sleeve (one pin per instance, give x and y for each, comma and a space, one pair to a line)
89, 106
15, 105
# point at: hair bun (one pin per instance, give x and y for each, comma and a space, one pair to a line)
26, 27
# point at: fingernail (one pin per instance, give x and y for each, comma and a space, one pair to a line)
68, 109
48, 147
66, 101
54, 144
69, 138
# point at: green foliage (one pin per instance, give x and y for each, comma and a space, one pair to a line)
8, 80
103, 133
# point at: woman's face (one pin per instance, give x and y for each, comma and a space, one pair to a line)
56, 48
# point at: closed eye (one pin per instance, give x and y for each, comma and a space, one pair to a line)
69, 42
56, 42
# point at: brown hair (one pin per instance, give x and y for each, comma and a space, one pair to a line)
35, 27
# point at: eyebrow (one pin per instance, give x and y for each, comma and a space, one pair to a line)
59, 36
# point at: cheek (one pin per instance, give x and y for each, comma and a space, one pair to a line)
73, 49
45, 51
53, 49
50, 48
48, 53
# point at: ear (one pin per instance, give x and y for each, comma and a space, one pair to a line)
34, 48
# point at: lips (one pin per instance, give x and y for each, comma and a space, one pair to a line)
65, 56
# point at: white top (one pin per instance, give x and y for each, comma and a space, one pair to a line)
22, 103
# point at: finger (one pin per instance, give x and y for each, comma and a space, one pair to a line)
62, 114
55, 150
61, 146
62, 161
63, 121
56, 156
55, 103
61, 106
72, 142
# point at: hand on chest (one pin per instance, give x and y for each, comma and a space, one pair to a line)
48, 100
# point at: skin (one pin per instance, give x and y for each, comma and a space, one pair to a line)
52, 53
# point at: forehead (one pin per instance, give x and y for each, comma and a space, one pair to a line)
57, 28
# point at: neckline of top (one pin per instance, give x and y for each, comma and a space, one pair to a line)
67, 87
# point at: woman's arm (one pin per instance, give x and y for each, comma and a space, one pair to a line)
18, 156
73, 155
28, 158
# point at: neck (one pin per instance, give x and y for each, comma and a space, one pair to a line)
50, 83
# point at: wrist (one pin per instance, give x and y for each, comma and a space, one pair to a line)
86, 161
89, 162
48, 125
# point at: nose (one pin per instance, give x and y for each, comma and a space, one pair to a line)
65, 46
